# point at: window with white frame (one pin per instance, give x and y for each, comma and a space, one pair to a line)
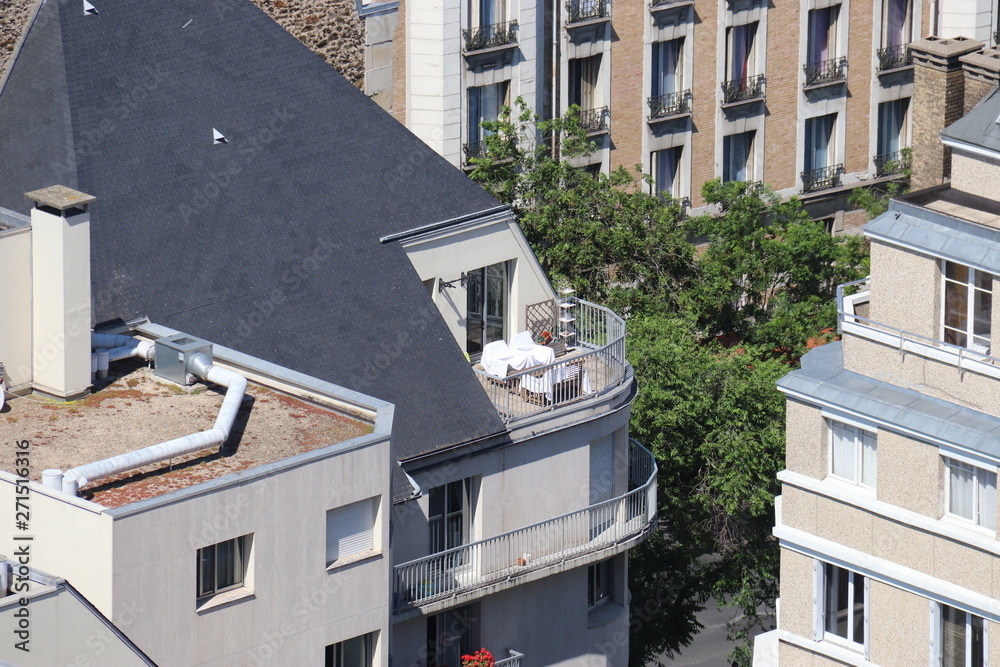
666, 167
892, 119
355, 652
819, 151
822, 37
968, 307
971, 493
897, 19
485, 103
840, 604
853, 455
737, 156
960, 637
740, 52
350, 530
483, 13
223, 567
598, 583
450, 516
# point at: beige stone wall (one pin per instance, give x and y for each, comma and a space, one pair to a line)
855, 528
806, 440
330, 28
783, 67
704, 89
910, 472
13, 17
906, 288
898, 626
860, 58
796, 615
975, 174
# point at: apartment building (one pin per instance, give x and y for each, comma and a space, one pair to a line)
888, 513
812, 98
199, 182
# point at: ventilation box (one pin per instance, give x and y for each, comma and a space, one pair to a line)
173, 355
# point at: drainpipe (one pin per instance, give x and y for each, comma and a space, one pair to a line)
201, 365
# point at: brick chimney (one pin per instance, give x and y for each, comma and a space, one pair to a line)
60, 292
982, 73
938, 101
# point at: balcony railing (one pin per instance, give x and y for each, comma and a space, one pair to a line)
823, 178
513, 661
852, 311
743, 90
826, 72
888, 164
664, 3
894, 57
613, 525
475, 149
490, 36
595, 120
586, 10
671, 104
600, 335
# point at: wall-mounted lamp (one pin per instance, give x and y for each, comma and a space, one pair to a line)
463, 280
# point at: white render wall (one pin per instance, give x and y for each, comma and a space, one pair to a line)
15, 304
967, 18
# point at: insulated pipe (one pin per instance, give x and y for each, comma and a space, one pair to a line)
102, 363
52, 478
122, 347
200, 365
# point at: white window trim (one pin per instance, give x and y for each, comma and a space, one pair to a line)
969, 314
858, 455
819, 608
355, 556
976, 493
937, 618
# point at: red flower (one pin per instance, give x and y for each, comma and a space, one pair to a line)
481, 658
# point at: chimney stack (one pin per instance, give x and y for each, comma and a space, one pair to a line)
60, 291
938, 101
982, 73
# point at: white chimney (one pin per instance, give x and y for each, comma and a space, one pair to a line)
60, 291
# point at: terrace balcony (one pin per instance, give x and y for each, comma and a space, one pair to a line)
853, 301
456, 576
596, 366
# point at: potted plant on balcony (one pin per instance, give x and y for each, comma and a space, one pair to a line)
481, 658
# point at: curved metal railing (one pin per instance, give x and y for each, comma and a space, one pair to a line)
600, 333
506, 557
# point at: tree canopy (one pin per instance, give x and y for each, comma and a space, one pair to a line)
719, 307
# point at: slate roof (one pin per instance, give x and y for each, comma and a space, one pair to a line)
823, 378
979, 127
269, 243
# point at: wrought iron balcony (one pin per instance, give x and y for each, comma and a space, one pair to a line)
749, 89
586, 10
888, 164
823, 178
597, 366
475, 149
671, 104
595, 120
490, 36
894, 57
598, 531
826, 72
660, 5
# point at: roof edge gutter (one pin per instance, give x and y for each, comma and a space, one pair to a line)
444, 224
20, 43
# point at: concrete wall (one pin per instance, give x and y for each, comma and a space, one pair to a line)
806, 440
63, 631
445, 257
906, 290
73, 539
15, 305
976, 174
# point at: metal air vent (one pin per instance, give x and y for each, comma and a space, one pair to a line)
173, 354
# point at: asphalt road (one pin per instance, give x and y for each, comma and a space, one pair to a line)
710, 648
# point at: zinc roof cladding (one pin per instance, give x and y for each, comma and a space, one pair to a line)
938, 234
822, 377
269, 243
979, 127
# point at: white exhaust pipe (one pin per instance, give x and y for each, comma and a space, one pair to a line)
201, 365
122, 347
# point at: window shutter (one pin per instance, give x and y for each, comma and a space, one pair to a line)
818, 603
602, 470
350, 529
